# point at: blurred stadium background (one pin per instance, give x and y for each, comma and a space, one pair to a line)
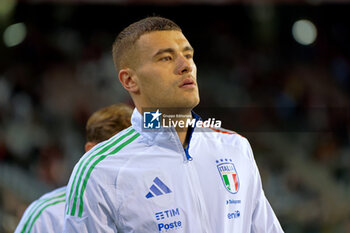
276, 72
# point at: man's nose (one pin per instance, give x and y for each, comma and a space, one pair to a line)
184, 65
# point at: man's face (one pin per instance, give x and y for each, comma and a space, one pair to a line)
165, 71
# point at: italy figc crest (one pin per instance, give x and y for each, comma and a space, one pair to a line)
228, 175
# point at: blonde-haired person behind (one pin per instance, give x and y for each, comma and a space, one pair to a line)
47, 213
106, 122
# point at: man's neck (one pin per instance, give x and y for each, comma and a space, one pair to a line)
183, 116
184, 132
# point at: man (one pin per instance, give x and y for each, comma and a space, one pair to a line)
47, 213
172, 179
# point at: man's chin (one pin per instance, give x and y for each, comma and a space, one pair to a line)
189, 103
189, 100
183, 104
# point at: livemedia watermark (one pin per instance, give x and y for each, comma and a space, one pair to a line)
158, 120
252, 119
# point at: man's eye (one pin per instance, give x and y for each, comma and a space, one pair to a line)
189, 56
167, 58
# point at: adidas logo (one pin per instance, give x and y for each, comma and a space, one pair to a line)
157, 188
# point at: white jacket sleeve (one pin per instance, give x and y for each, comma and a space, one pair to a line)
93, 211
45, 214
264, 219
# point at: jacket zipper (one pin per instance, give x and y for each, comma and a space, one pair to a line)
191, 175
192, 178
188, 156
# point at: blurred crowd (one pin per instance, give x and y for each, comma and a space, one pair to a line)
291, 101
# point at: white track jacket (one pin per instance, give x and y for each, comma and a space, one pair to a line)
145, 182
44, 215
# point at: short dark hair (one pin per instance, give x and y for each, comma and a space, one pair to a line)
108, 121
127, 37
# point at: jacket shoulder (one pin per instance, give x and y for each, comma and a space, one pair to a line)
226, 137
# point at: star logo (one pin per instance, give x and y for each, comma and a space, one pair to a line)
156, 115
151, 120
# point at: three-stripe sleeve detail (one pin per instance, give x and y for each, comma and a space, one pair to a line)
87, 165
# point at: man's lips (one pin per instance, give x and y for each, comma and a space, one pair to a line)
187, 83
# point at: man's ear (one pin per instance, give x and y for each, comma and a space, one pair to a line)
128, 80
89, 145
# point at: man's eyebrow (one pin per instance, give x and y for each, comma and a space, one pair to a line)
188, 48
167, 50
171, 50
